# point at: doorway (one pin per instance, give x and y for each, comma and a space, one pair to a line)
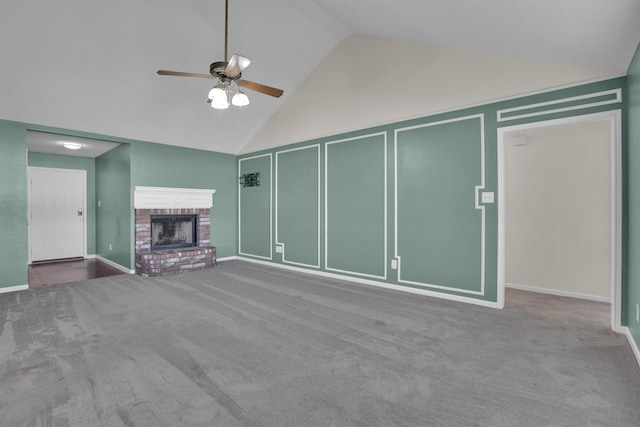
560, 211
57, 206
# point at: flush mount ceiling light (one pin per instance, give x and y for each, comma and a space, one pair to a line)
72, 145
228, 75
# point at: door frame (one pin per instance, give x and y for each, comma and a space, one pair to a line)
615, 119
84, 207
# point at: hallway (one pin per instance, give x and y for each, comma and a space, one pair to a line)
67, 271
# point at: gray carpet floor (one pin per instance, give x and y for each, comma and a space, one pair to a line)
249, 345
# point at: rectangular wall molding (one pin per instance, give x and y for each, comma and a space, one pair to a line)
561, 105
252, 241
299, 196
362, 197
415, 218
419, 213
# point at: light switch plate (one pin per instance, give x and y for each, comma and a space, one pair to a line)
487, 197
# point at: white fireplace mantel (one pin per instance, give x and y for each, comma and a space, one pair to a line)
172, 198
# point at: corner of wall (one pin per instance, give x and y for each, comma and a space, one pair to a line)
632, 202
13, 204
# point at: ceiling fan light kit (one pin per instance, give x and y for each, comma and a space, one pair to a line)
225, 93
219, 100
229, 77
240, 99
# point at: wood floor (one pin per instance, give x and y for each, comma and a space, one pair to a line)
67, 271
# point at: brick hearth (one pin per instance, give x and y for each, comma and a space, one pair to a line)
172, 261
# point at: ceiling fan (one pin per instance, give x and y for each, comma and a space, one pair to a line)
229, 76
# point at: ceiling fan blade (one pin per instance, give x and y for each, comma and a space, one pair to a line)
181, 74
267, 90
236, 64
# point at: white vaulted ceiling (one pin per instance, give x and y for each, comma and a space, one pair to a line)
90, 65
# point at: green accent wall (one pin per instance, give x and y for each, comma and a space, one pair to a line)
419, 190
255, 228
57, 161
110, 179
13, 204
114, 233
159, 165
435, 167
631, 268
439, 227
297, 193
355, 205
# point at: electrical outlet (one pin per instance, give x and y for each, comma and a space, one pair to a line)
394, 264
487, 197
278, 249
110, 247
637, 313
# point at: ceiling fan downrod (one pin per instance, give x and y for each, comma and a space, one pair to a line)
226, 30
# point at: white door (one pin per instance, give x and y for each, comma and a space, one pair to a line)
57, 211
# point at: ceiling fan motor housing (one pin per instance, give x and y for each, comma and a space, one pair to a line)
217, 70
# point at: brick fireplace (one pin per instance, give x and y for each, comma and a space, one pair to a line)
151, 202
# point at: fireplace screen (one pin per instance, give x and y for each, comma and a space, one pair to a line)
173, 231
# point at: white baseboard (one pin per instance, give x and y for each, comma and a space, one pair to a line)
632, 343
115, 265
401, 288
14, 288
227, 258
558, 292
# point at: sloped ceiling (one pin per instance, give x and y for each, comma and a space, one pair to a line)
434, 79
91, 65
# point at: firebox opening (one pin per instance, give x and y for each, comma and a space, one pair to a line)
173, 231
